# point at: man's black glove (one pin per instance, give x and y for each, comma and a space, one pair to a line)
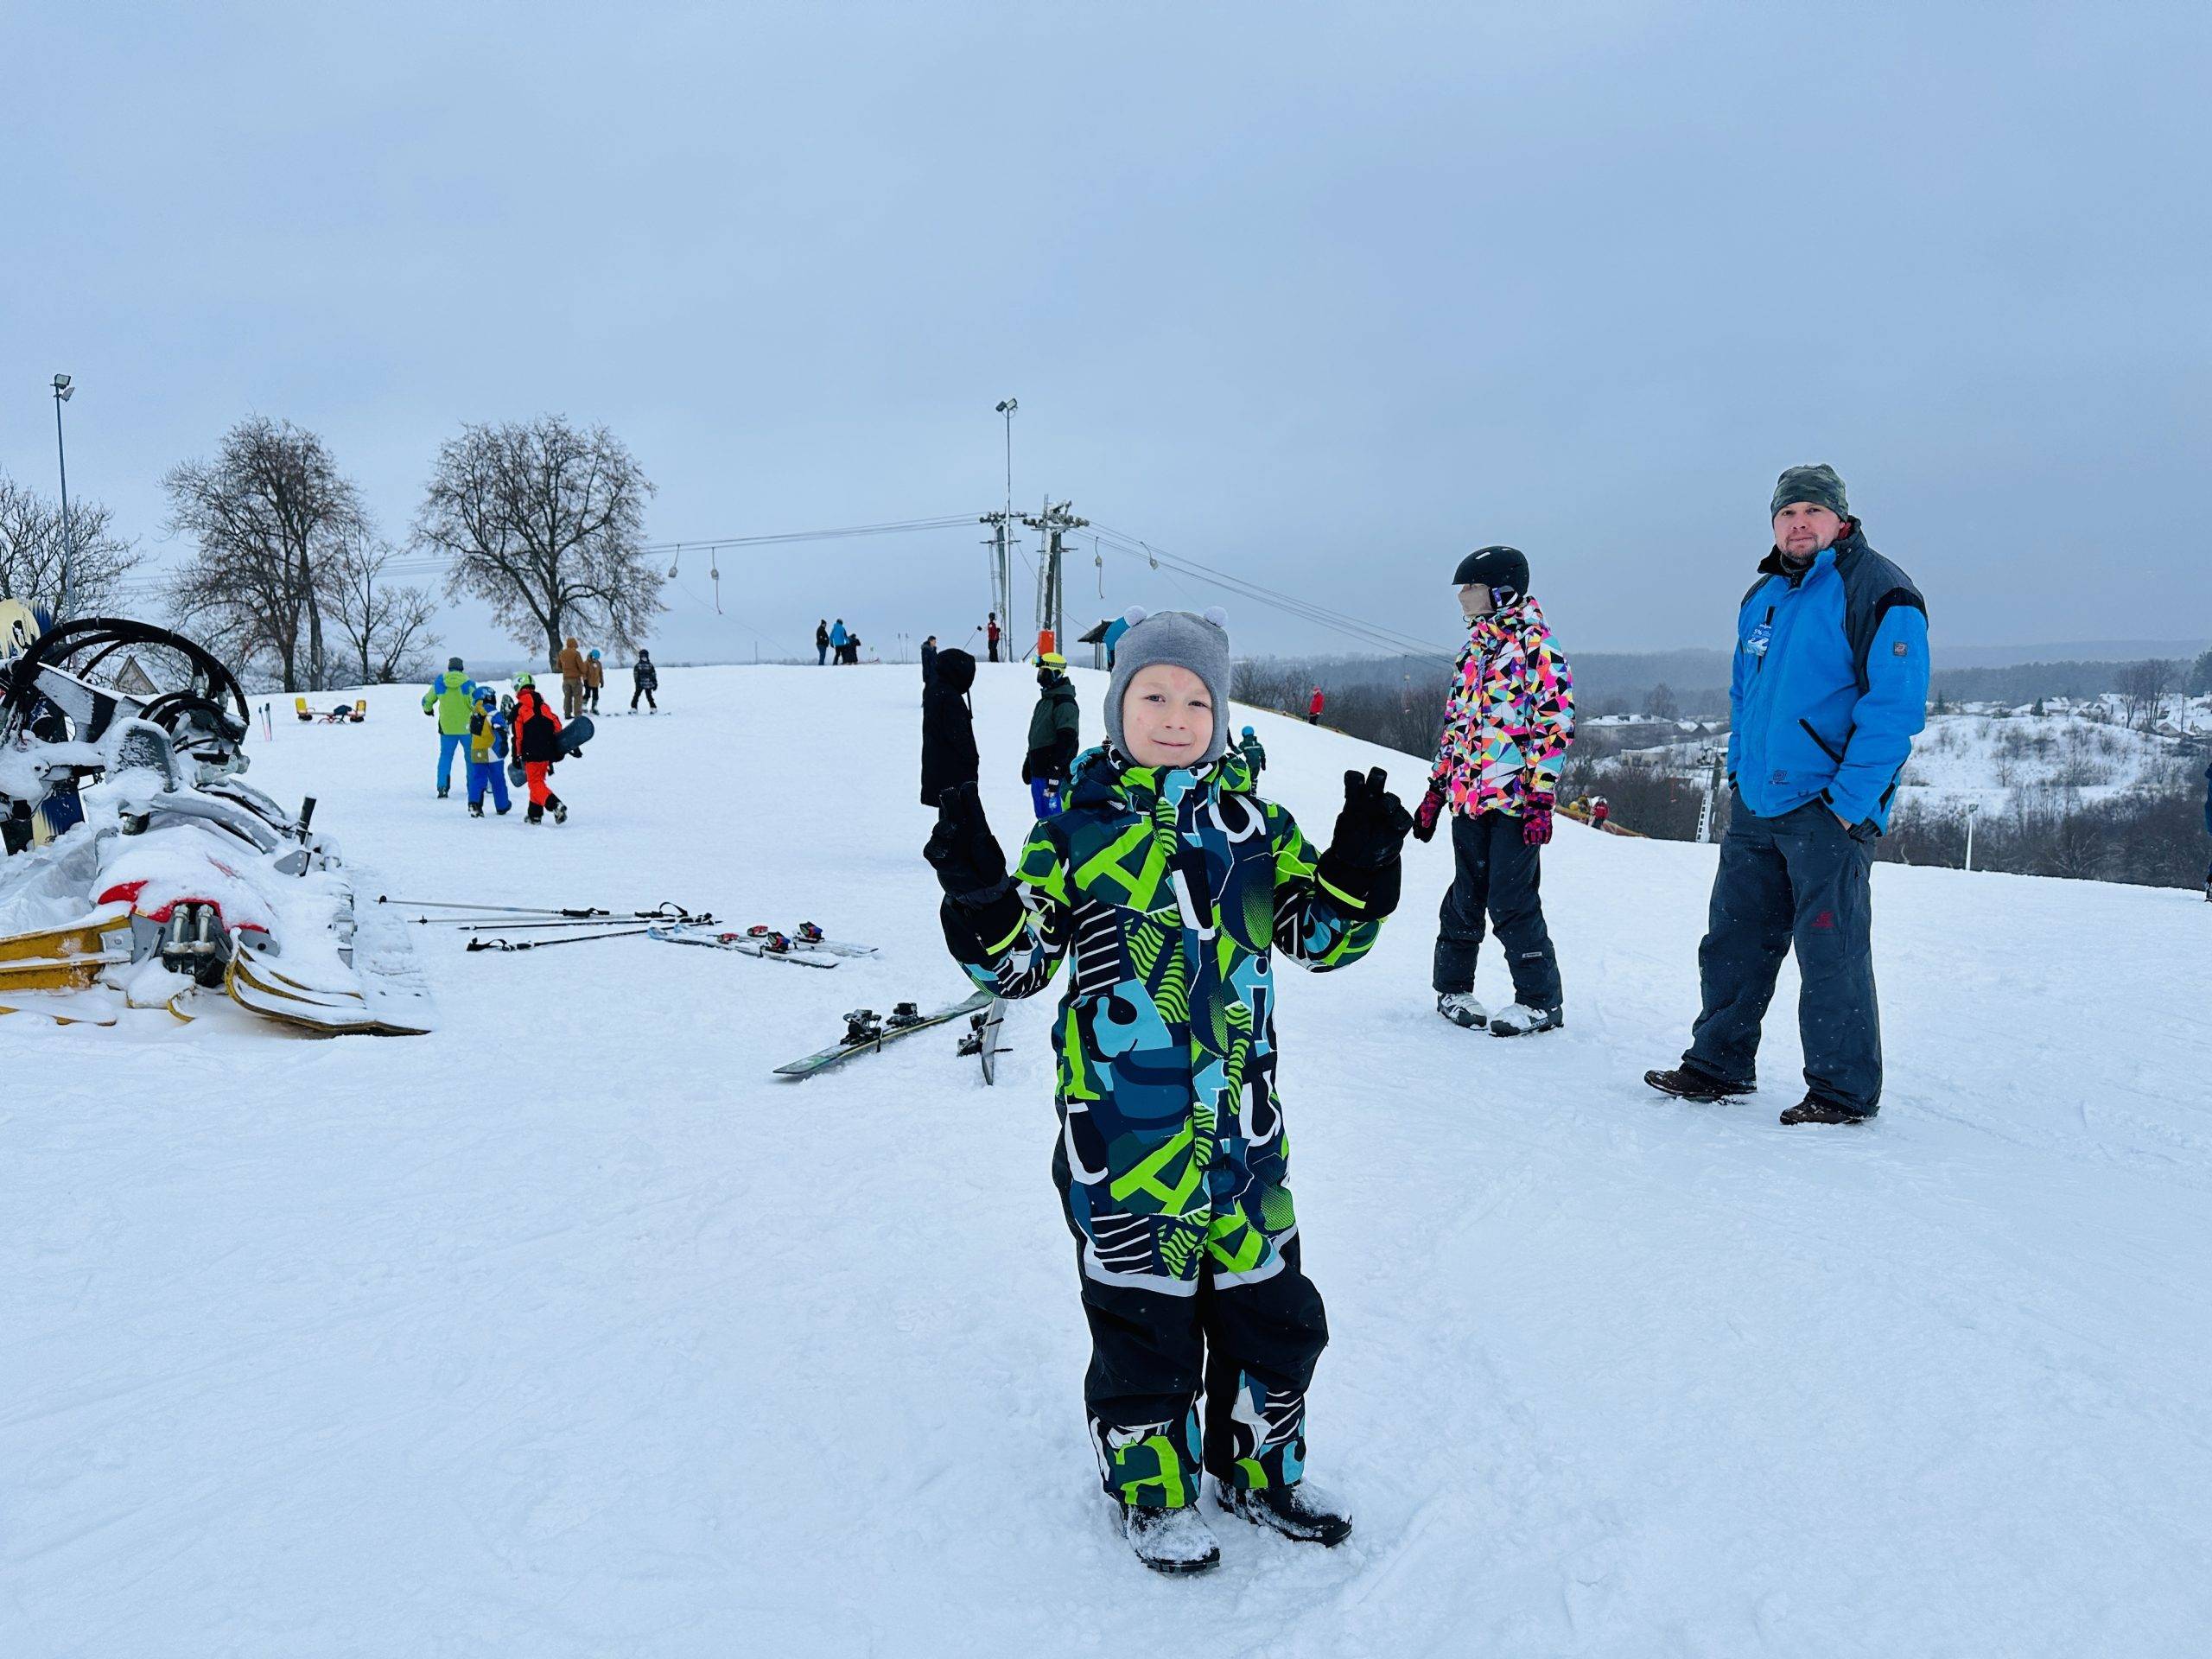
1362, 861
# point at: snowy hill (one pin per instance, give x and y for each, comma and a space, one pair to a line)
566, 1331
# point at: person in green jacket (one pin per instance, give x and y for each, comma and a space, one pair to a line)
1168, 886
1055, 735
452, 698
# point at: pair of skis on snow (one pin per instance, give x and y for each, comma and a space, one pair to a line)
868, 1032
804, 947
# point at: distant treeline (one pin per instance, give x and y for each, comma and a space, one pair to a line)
2152, 838
1693, 683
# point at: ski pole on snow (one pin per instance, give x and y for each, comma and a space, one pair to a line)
540, 944
502, 925
505, 910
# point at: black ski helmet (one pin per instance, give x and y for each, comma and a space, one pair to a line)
1504, 570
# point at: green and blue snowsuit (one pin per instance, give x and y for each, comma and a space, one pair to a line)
1168, 893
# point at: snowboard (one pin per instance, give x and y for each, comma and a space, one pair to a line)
982, 1038
745, 945
866, 1031
576, 734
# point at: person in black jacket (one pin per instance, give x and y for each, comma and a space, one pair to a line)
948, 726
929, 664
645, 680
1055, 735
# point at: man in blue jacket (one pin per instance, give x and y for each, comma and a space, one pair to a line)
1830, 685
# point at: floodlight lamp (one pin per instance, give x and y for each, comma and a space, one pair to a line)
62, 388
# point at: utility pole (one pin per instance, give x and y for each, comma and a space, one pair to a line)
63, 390
1053, 522
1001, 546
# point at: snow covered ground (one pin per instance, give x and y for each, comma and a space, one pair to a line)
566, 1331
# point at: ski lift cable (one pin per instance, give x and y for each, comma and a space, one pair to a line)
1255, 589
1336, 621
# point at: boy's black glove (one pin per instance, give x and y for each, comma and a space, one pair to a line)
981, 908
1362, 859
969, 864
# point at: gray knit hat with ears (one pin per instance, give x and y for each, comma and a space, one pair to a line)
1198, 643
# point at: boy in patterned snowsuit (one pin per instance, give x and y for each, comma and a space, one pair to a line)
1507, 725
1168, 885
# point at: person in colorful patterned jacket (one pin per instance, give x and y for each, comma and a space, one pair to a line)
1507, 725
1168, 886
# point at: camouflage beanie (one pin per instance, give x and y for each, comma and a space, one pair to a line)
1818, 485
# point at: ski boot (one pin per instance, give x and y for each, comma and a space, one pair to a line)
1686, 1082
1176, 1541
861, 1026
1299, 1512
1813, 1110
902, 1014
1519, 1020
476, 809
1461, 1009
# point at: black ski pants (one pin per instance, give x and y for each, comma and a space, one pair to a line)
1249, 1349
1494, 871
1798, 879
644, 692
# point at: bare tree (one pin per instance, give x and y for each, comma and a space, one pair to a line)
1663, 703
546, 525
385, 627
34, 552
275, 523
2145, 685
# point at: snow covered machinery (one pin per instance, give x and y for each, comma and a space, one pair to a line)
141, 868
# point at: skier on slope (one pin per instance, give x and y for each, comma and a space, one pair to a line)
452, 698
487, 754
1055, 734
538, 742
1507, 725
1172, 885
1256, 756
645, 680
1828, 689
948, 726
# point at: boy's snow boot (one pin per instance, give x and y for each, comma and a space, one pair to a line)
1171, 1540
443, 792
1461, 1009
476, 809
1298, 1511
535, 815
560, 808
1813, 1110
503, 810
1519, 1020
1686, 1082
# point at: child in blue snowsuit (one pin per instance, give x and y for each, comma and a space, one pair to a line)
487, 754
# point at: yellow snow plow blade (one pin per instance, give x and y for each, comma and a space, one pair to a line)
63, 958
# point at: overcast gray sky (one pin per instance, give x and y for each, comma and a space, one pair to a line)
1325, 295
